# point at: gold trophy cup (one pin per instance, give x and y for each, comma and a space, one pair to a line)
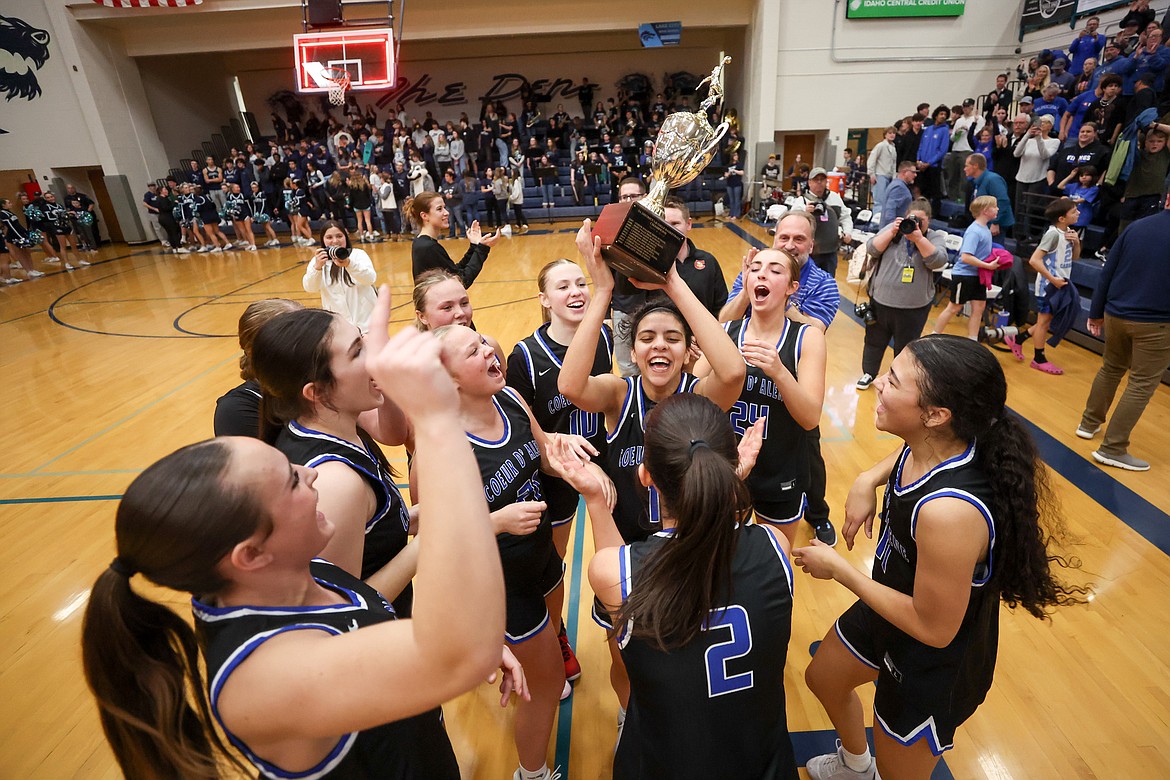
636, 240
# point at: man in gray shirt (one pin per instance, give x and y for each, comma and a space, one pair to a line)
901, 286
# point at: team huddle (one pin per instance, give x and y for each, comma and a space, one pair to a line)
334, 619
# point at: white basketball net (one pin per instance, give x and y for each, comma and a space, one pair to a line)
338, 83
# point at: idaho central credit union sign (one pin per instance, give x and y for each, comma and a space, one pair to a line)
879, 9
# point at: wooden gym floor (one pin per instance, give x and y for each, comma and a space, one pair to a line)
118, 364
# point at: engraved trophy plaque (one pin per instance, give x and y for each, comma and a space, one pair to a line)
636, 240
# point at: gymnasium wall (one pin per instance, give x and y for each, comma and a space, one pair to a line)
878, 71
452, 79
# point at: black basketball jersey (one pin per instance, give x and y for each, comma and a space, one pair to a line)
388, 528
715, 707
533, 369
636, 514
410, 748
907, 662
780, 476
510, 470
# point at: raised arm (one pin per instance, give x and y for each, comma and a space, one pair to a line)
397, 669
599, 394
952, 537
725, 381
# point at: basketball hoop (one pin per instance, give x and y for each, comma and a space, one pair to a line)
338, 79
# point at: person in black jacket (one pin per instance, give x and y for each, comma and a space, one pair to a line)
429, 212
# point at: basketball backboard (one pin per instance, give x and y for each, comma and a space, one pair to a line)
367, 54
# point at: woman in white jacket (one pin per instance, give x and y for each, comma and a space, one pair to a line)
346, 284
1033, 151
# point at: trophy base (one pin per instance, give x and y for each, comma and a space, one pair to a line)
637, 243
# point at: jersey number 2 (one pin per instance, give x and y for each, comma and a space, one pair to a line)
734, 618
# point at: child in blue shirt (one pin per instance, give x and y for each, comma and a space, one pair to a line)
975, 253
1052, 261
1083, 193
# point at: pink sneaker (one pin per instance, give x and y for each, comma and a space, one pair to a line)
1017, 350
1047, 367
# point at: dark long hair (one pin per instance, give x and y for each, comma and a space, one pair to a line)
253, 318
336, 272
962, 376
656, 303
290, 351
691, 455
175, 523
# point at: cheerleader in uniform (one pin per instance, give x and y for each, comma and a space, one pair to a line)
207, 216
512, 451
262, 213
59, 220
534, 368
238, 210
966, 522
188, 216
296, 203
661, 334
784, 389
38, 224
19, 239
330, 681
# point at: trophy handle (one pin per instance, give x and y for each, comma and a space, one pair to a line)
720, 131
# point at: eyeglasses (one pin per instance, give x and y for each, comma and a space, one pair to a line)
630, 196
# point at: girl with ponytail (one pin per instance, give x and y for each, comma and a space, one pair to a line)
309, 670
967, 520
702, 608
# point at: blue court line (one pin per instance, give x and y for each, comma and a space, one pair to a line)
1110, 494
57, 499
565, 712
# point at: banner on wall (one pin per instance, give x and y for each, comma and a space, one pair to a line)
1039, 14
885, 9
1095, 6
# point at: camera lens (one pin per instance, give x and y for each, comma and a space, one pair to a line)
336, 252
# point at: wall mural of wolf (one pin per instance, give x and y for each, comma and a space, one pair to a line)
24, 50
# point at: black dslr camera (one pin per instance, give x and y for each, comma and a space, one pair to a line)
906, 227
817, 209
865, 313
336, 252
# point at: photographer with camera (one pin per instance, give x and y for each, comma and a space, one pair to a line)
900, 264
343, 275
832, 219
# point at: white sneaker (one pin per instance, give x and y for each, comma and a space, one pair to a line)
203, 248
69, 267
35, 274
82, 262
1085, 433
832, 767
251, 247
864, 381
218, 249
52, 259
1124, 461
273, 242
242, 244
181, 251
310, 242
12, 280
167, 244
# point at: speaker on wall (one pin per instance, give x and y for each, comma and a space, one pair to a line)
324, 13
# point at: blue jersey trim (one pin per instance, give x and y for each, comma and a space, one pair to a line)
974, 501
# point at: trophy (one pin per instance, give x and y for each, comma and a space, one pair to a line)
636, 240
